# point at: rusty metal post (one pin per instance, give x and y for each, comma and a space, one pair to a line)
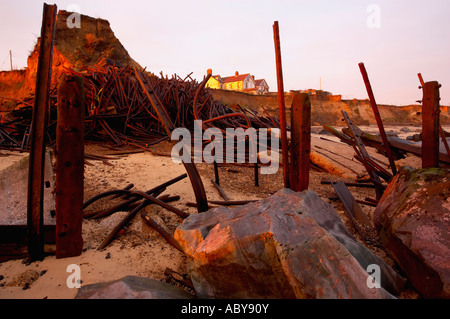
373, 103
70, 167
282, 106
38, 136
300, 142
430, 124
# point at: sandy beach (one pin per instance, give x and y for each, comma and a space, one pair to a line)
140, 250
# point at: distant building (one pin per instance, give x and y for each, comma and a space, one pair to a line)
238, 82
261, 86
318, 94
314, 92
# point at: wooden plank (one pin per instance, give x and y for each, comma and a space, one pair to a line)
14, 241
360, 185
430, 125
191, 169
376, 112
350, 204
39, 136
281, 105
363, 154
344, 138
220, 190
70, 167
300, 142
405, 146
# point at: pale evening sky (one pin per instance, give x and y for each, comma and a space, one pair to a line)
321, 39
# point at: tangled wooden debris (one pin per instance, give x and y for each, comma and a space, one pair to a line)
119, 111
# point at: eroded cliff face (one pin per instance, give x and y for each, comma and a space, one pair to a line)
89, 44
327, 110
76, 48
10, 82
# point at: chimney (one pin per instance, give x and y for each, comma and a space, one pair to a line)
253, 77
209, 72
236, 73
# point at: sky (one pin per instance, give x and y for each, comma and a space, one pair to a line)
322, 41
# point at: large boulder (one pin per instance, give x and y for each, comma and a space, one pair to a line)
289, 245
413, 221
132, 287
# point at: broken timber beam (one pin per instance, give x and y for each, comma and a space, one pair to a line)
39, 135
150, 222
403, 146
350, 204
344, 138
220, 190
281, 105
164, 118
376, 112
70, 167
361, 185
125, 221
362, 153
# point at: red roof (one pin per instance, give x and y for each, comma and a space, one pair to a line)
235, 78
259, 82
217, 78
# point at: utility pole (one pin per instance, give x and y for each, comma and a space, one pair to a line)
10, 59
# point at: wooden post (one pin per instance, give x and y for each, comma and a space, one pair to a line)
10, 59
300, 142
373, 103
441, 131
282, 106
430, 125
38, 136
70, 167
